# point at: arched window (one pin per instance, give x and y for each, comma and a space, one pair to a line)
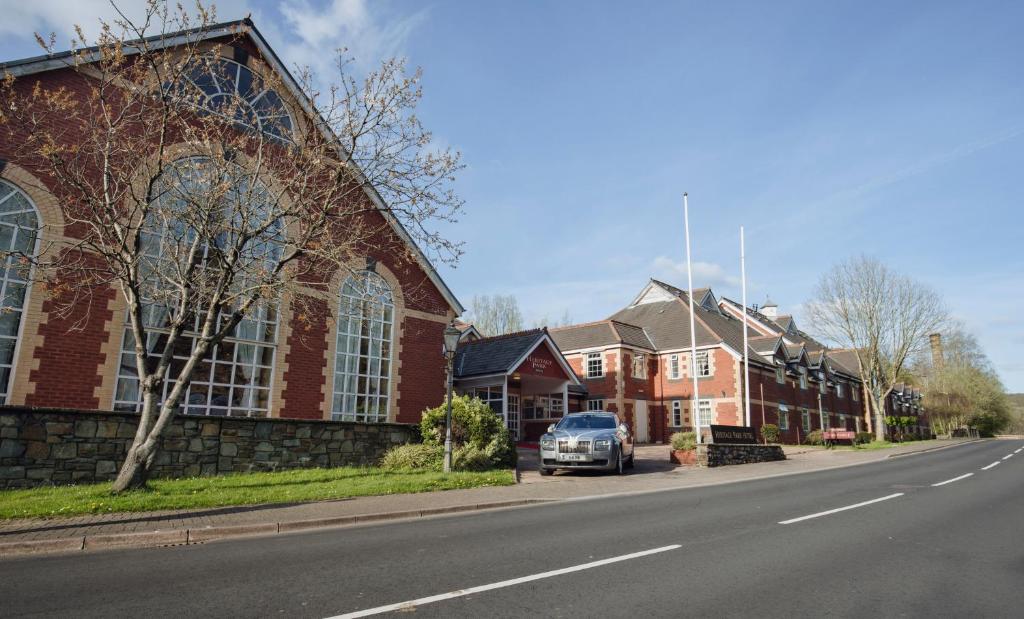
229, 88
234, 378
362, 365
19, 222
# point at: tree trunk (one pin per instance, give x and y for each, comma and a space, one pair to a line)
880, 420
134, 472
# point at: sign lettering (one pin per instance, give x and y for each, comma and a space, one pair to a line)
736, 435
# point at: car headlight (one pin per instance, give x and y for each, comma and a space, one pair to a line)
602, 444
547, 444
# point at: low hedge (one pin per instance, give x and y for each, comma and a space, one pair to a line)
814, 438
770, 433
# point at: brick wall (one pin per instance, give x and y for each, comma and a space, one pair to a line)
423, 369
42, 447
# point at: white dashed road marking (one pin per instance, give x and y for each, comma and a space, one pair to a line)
412, 604
994, 464
841, 509
949, 481
1007, 456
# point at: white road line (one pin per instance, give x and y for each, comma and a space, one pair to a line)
949, 481
842, 509
1007, 456
1018, 450
411, 604
994, 464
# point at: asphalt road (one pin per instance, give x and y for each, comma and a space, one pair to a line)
955, 549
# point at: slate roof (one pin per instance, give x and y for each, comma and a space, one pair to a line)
845, 360
602, 333
494, 355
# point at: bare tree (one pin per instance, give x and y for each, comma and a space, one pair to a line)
496, 315
883, 316
961, 388
544, 321
209, 210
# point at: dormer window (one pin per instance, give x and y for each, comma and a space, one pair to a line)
232, 90
803, 377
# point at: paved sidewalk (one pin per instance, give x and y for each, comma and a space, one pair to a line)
653, 472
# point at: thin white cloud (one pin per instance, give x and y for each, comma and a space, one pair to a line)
705, 274
316, 31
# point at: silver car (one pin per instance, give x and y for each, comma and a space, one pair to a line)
590, 440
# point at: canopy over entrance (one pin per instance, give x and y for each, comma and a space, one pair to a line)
522, 376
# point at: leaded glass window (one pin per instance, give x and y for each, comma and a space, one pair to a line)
234, 377
362, 364
233, 90
19, 222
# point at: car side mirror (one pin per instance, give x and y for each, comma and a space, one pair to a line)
623, 428
551, 428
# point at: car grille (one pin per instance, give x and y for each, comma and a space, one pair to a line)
581, 447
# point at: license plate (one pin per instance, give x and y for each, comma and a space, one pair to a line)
571, 457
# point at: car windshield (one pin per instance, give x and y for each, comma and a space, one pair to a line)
587, 422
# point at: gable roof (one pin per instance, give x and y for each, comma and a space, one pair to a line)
601, 333
61, 60
502, 354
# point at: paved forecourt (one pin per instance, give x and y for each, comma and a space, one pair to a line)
716, 549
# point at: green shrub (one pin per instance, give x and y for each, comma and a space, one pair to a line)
814, 438
684, 441
414, 456
770, 433
863, 438
473, 424
470, 458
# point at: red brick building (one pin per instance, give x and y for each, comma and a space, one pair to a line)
637, 363
375, 360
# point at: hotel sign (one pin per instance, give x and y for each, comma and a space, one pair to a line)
539, 365
736, 435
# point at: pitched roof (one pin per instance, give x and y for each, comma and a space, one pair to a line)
60, 60
494, 355
845, 360
601, 333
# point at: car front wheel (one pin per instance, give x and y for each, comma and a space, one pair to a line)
545, 472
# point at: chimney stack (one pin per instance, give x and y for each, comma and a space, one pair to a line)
770, 309
938, 360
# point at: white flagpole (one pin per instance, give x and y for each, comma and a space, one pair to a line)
746, 355
694, 408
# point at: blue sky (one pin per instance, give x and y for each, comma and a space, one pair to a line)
827, 129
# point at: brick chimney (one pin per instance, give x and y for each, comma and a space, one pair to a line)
938, 360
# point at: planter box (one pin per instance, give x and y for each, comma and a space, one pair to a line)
683, 457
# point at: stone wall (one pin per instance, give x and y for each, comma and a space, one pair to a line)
717, 454
53, 446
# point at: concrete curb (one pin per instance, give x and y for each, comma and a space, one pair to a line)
191, 537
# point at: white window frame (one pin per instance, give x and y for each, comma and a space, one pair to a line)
677, 413
803, 377
596, 404
359, 395
805, 420
855, 392
780, 375
704, 364
673, 367
783, 417
595, 359
705, 413
639, 366
822, 387
839, 389
12, 313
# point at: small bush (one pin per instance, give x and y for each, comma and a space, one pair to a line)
684, 441
474, 425
470, 458
863, 438
770, 433
814, 438
416, 456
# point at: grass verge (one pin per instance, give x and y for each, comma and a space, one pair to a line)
294, 486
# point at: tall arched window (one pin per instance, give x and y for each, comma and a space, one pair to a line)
19, 223
234, 378
229, 88
362, 365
